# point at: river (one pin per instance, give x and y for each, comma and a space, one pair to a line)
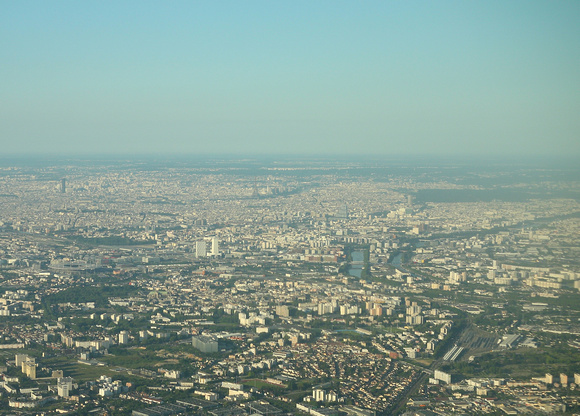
357, 264
397, 260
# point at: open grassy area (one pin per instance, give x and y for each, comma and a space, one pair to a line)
131, 359
80, 372
261, 384
426, 362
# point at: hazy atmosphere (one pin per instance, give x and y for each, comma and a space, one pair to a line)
289, 208
300, 77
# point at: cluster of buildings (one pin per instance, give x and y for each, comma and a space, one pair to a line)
274, 296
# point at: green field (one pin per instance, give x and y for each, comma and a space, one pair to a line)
72, 368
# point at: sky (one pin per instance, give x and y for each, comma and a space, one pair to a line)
323, 77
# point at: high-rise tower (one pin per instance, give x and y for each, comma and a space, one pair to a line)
342, 213
200, 249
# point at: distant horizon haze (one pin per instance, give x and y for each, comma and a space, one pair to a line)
283, 160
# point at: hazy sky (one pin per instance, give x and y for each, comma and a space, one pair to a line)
309, 77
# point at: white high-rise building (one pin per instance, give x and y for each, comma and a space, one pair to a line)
215, 249
20, 358
200, 249
318, 395
64, 386
440, 375
123, 337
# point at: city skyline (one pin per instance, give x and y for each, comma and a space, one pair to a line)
372, 78
321, 287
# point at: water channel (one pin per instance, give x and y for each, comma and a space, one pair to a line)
357, 264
